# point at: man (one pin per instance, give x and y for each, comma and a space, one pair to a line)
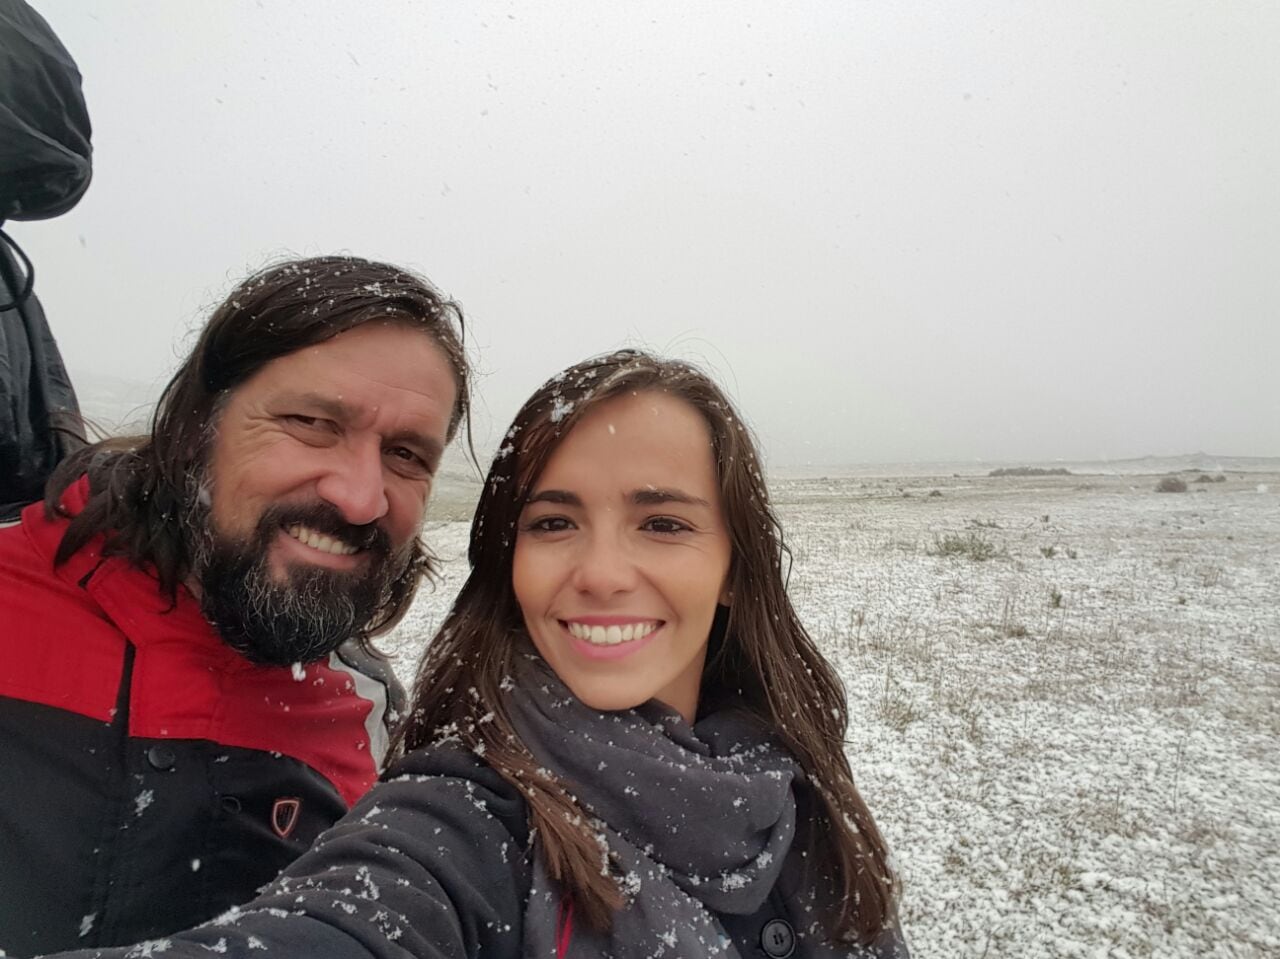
188, 695
45, 166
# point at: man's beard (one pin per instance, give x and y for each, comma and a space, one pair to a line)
310, 611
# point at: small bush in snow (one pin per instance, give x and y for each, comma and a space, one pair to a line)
971, 545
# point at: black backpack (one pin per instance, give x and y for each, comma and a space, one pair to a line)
45, 167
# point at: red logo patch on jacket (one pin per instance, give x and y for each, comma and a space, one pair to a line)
284, 816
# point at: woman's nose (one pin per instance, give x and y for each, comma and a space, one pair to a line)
604, 566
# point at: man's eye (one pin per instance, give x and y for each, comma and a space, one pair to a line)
299, 420
664, 524
409, 462
408, 455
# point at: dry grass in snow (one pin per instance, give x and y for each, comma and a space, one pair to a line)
1064, 701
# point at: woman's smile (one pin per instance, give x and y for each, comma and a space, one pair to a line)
613, 637
611, 633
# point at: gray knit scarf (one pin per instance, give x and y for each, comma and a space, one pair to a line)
699, 820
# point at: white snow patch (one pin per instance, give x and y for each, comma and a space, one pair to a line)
152, 947
560, 408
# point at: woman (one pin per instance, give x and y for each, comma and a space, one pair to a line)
623, 743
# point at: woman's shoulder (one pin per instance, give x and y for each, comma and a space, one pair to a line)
449, 769
447, 757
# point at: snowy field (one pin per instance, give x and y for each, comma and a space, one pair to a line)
1071, 743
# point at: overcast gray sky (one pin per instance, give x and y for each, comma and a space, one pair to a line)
896, 231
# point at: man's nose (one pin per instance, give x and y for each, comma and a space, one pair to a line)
604, 566
355, 485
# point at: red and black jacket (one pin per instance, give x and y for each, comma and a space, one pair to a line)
150, 776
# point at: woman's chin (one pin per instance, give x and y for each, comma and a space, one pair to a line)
608, 702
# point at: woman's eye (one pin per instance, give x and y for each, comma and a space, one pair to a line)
664, 524
548, 524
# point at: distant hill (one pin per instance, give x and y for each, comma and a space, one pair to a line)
1200, 462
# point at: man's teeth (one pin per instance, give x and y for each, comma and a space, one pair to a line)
611, 635
326, 544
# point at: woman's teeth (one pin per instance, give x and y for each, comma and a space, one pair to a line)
611, 635
326, 544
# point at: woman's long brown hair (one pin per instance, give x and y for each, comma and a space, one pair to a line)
766, 662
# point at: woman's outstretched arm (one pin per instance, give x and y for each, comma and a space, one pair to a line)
430, 864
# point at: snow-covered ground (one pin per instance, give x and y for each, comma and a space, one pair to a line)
1072, 744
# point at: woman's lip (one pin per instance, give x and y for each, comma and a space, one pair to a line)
589, 650
610, 620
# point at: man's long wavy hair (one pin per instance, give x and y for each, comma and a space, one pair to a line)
765, 662
142, 487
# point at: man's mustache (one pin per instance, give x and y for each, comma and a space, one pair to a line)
323, 518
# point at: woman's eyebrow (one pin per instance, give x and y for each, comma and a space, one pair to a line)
649, 496
558, 496
656, 497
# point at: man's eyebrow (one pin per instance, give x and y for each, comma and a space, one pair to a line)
656, 497
331, 407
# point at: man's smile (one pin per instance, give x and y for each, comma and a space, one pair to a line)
300, 545
318, 540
